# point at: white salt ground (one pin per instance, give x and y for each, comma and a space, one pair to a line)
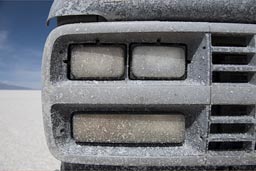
22, 141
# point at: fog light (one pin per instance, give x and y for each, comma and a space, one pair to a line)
156, 62
129, 128
97, 62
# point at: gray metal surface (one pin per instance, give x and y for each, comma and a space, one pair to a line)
193, 96
235, 11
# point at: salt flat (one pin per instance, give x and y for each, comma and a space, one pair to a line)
22, 141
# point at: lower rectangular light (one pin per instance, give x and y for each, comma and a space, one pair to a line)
110, 128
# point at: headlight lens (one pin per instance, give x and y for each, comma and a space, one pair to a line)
97, 62
156, 62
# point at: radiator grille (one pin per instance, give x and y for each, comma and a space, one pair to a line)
232, 125
232, 128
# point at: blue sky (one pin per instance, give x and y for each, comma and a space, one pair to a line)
22, 36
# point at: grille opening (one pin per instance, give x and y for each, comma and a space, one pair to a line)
231, 77
232, 59
229, 146
62, 20
231, 40
232, 110
231, 128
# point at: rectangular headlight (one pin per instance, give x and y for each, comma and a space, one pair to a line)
97, 62
158, 62
111, 128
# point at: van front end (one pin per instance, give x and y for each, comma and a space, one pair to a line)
151, 84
